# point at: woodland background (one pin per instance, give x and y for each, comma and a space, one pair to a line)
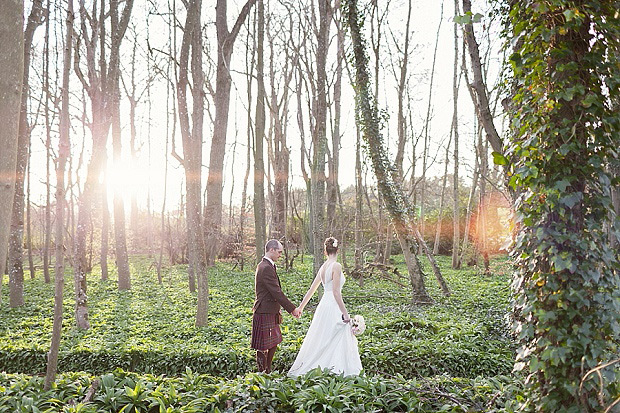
158, 145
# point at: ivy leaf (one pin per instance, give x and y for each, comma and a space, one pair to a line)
569, 14
477, 18
589, 100
571, 200
499, 159
559, 263
562, 185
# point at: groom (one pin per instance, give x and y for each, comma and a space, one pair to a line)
266, 334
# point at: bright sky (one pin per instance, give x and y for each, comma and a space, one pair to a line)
147, 174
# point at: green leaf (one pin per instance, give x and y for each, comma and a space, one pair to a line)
499, 159
569, 14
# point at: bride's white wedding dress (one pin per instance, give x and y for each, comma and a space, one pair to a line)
329, 343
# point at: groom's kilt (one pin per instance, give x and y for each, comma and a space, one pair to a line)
266, 332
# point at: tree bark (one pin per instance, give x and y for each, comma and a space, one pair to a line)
455, 133
12, 65
16, 239
259, 138
481, 101
48, 153
394, 198
192, 150
225, 41
118, 29
319, 136
63, 154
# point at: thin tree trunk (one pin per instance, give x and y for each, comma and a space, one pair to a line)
259, 166
105, 225
481, 100
63, 154
118, 29
333, 191
442, 199
29, 221
359, 202
470, 202
213, 207
455, 133
192, 149
48, 152
394, 198
16, 239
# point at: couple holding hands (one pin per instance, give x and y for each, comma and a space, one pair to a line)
329, 342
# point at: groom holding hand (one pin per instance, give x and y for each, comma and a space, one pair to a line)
266, 334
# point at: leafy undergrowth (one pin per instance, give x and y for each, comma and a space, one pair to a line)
455, 355
316, 391
150, 329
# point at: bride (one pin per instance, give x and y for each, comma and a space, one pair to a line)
330, 342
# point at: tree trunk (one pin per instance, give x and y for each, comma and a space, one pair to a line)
259, 166
442, 199
333, 191
319, 136
192, 149
359, 202
12, 65
225, 40
394, 198
29, 221
105, 225
63, 153
48, 153
481, 101
16, 239
455, 132
470, 202
118, 29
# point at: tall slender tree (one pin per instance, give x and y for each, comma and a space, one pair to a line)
64, 148
192, 149
12, 67
393, 196
225, 42
16, 241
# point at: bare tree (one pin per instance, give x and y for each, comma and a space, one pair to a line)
394, 198
259, 138
192, 149
225, 40
16, 240
63, 154
455, 134
12, 67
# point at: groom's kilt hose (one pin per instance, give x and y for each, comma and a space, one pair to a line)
266, 332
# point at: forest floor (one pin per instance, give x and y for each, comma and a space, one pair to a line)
145, 353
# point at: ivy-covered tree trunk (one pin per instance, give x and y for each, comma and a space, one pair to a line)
393, 195
567, 283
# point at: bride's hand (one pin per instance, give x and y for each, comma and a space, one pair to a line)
345, 319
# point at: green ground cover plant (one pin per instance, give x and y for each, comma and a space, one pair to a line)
316, 391
144, 350
150, 329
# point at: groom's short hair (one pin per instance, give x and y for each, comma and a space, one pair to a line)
272, 244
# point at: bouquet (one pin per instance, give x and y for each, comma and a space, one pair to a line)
358, 325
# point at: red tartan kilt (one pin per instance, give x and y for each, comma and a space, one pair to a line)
266, 332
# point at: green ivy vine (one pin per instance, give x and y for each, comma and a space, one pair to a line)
565, 136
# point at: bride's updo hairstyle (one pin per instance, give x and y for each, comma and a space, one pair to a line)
331, 246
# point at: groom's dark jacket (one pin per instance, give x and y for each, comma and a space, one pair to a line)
269, 295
